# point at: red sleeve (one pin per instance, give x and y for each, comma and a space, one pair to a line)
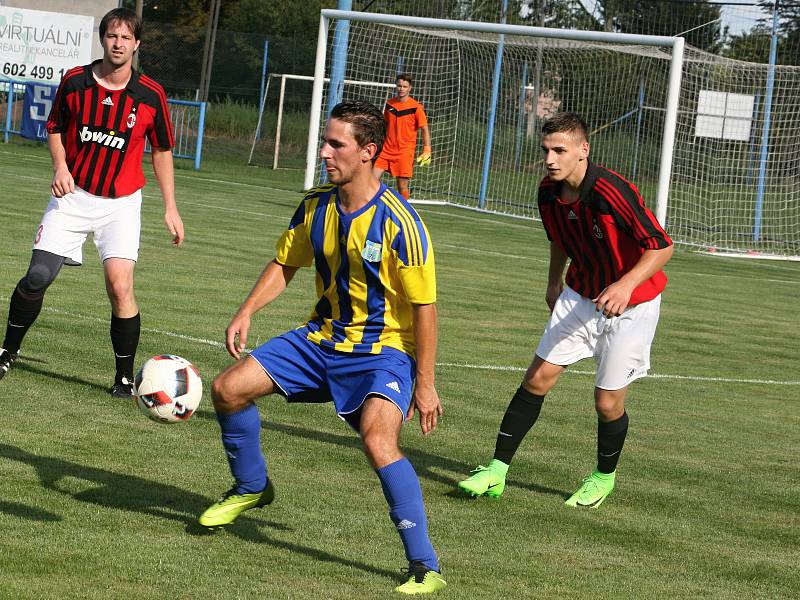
58, 120
161, 135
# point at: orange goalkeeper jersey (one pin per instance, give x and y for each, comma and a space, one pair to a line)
402, 121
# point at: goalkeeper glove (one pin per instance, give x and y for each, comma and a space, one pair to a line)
424, 159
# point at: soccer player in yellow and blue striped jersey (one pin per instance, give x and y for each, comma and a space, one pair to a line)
369, 345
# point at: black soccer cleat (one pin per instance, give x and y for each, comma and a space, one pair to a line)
122, 389
6, 360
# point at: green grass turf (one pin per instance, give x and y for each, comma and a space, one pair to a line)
96, 501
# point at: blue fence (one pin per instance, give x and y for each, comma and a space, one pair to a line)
188, 118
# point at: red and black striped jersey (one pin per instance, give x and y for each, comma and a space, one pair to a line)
604, 232
104, 130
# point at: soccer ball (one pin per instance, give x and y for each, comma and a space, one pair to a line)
168, 388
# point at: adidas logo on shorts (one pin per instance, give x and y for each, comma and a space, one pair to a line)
393, 385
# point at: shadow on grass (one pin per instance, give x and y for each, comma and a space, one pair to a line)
128, 492
23, 364
27, 512
426, 464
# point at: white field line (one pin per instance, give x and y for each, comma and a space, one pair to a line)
653, 375
216, 344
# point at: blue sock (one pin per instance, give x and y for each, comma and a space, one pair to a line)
407, 511
241, 433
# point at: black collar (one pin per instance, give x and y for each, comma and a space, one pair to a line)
133, 87
592, 173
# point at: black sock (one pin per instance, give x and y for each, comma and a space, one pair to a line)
521, 414
610, 439
22, 312
125, 340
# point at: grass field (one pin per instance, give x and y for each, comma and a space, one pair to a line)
97, 502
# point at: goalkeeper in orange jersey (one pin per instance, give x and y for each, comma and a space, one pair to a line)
404, 116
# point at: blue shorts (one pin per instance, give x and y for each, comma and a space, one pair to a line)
306, 372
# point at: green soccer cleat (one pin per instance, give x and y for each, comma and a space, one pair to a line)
486, 481
593, 490
421, 580
231, 505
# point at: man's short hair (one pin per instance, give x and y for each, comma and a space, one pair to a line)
121, 15
366, 121
567, 122
405, 77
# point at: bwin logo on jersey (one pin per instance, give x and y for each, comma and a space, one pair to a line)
101, 137
371, 251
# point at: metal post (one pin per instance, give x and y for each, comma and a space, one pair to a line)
537, 78
316, 102
278, 126
341, 39
487, 153
262, 95
208, 50
139, 6
9, 109
670, 122
201, 126
756, 112
762, 167
521, 116
638, 130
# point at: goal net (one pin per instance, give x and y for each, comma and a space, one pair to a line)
736, 168
719, 195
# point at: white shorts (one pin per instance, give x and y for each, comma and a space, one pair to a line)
620, 345
114, 223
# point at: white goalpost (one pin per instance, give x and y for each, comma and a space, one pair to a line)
710, 142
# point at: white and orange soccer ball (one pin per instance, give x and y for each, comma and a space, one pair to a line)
168, 388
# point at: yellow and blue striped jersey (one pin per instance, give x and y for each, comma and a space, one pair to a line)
372, 266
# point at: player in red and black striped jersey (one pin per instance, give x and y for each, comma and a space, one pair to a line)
101, 117
609, 308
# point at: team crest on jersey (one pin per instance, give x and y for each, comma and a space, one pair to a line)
371, 251
131, 120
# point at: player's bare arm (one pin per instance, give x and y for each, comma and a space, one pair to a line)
613, 300
426, 399
270, 284
164, 171
426, 144
62, 183
555, 275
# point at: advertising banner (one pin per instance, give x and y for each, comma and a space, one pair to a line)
42, 46
36, 108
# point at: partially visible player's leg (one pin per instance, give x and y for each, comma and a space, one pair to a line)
612, 428
233, 392
623, 355
116, 236
59, 237
379, 167
403, 187
125, 328
521, 414
380, 430
563, 343
26, 303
